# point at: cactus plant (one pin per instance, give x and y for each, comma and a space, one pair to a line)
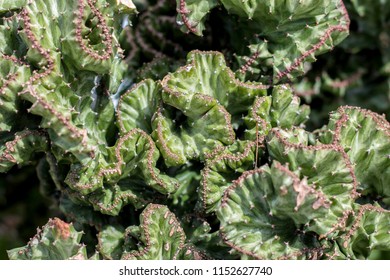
149, 147
279, 35
57, 240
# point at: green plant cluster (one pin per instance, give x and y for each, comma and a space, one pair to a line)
195, 129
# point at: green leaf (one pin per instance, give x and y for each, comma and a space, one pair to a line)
208, 100
134, 156
137, 106
364, 231
281, 109
56, 240
12, 76
262, 211
273, 39
365, 137
111, 242
22, 148
160, 234
325, 166
222, 167
192, 14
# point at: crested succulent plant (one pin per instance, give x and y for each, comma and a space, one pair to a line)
57, 240
273, 39
150, 148
354, 82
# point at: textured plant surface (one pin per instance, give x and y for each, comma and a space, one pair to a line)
194, 129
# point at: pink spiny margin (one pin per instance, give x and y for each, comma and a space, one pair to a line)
147, 220
298, 61
106, 36
217, 150
62, 228
257, 146
381, 121
119, 199
252, 59
221, 155
382, 124
196, 253
11, 77
35, 44
328, 33
10, 145
183, 13
256, 106
317, 46
6, 82
355, 225
66, 121
131, 91
297, 186
342, 222
236, 184
160, 136
228, 121
95, 201
14, 59
333, 147
117, 169
192, 64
